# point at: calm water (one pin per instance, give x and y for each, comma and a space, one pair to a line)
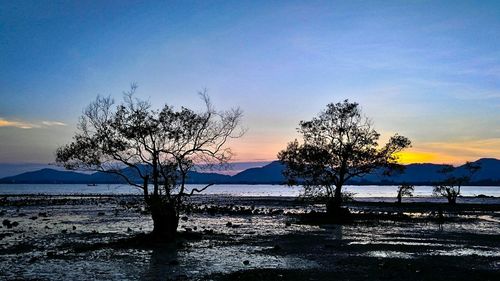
369, 191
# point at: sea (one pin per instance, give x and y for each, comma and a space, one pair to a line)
364, 191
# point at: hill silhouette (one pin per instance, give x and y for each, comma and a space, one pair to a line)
418, 174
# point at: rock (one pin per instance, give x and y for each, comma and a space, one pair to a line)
288, 223
101, 214
276, 248
129, 229
184, 218
246, 262
33, 218
42, 214
64, 231
74, 227
9, 224
51, 254
229, 224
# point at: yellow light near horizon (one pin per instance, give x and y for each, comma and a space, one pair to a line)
409, 157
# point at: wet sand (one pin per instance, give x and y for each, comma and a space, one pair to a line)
234, 238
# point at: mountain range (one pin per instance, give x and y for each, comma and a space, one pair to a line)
418, 174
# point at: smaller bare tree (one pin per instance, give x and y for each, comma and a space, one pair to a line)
405, 190
450, 186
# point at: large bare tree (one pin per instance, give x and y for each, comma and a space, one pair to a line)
338, 145
151, 149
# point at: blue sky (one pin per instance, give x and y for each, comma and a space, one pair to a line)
429, 70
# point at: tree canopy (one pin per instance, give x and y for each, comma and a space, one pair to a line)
338, 145
159, 146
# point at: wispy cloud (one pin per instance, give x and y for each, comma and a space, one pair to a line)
28, 125
17, 124
53, 123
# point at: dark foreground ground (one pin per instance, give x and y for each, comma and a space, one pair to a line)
224, 238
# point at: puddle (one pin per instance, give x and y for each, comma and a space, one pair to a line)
389, 254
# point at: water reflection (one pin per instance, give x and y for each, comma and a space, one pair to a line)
336, 232
163, 263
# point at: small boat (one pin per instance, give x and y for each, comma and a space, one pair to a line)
91, 184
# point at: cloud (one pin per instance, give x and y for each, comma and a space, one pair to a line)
28, 125
17, 124
53, 123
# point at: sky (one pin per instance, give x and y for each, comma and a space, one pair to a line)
428, 70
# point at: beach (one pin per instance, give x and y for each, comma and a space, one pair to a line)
246, 238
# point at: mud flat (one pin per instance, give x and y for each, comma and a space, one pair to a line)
234, 238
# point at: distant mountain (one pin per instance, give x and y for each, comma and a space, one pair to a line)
269, 174
419, 174
48, 176
51, 176
413, 173
12, 169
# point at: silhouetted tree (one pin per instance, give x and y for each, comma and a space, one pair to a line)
338, 145
450, 186
159, 147
405, 190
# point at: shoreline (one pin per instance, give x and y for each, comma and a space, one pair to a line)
264, 240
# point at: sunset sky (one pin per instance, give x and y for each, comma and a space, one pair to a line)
428, 70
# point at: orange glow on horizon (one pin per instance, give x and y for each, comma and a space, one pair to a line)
454, 153
409, 157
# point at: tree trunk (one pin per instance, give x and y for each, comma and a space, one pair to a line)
334, 208
145, 189
165, 219
333, 204
337, 199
